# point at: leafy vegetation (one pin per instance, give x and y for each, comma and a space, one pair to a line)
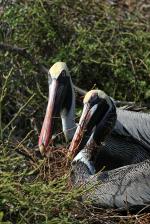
103, 45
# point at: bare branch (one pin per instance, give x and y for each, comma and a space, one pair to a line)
23, 52
79, 90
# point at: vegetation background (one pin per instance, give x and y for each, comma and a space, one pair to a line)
106, 44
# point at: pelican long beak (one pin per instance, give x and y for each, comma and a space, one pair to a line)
46, 131
84, 120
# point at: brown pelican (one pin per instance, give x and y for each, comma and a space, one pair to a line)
128, 128
122, 187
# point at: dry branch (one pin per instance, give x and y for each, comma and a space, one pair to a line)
24, 53
18, 112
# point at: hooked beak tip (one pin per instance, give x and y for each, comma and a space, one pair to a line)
70, 156
42, 149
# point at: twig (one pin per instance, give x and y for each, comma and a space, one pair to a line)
2, 96
147, 206
20, 143
3, 93
134, 74
23, 52
8, 139
121, 216
18, 112
79, 90
25, 152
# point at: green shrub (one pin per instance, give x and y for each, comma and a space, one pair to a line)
100, 45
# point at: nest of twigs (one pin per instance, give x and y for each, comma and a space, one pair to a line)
50, 167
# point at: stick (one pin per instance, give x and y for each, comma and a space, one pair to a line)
18, 112
23, 52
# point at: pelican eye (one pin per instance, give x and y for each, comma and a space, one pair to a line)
94, 99
63, 73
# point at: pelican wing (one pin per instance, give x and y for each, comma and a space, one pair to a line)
134, 125
123, 187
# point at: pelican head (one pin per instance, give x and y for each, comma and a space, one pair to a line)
97, 120
58, 70
59, 91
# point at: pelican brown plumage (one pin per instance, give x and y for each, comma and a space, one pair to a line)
62, 101
121, 187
